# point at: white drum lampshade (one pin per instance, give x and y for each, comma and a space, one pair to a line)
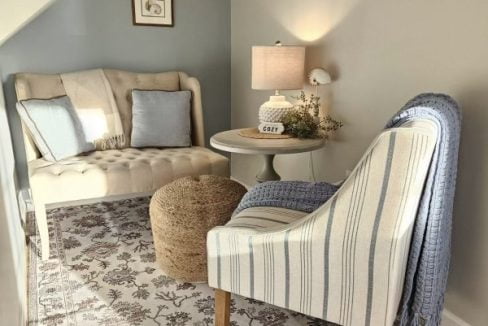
277, 68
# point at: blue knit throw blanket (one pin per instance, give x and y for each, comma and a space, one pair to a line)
296, 195
428, 263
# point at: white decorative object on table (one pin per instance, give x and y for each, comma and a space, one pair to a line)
277, 68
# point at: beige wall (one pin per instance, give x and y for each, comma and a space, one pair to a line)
14, 14
381, 53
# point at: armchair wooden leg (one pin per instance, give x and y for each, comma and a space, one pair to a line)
222, 308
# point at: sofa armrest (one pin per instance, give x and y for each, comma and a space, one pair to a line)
198, 130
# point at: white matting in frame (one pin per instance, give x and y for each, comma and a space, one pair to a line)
153, 12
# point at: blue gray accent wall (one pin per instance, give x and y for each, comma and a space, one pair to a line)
74, 35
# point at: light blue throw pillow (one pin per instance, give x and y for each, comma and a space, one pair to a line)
161, 119
54, 127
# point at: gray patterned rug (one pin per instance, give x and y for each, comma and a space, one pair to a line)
102, 271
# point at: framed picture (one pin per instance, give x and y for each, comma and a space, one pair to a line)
153, 12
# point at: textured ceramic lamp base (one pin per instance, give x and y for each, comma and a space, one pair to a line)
275, 109
267, 114
268, 173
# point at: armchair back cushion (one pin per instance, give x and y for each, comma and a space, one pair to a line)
346, 261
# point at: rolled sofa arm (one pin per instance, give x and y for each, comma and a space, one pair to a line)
198, 128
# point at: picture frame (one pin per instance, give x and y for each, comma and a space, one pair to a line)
153, 12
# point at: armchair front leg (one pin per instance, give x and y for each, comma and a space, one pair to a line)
222, 308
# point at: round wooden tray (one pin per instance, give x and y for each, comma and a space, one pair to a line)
254, 133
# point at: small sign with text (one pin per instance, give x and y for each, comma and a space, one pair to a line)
276, 128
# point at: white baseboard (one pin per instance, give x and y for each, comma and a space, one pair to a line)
27, 205
450, 319
99, 199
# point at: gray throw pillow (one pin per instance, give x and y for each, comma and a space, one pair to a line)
54, 127
161, 119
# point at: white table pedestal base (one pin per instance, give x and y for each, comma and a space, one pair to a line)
268, 173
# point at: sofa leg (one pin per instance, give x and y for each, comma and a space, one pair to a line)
41, 220
222, 308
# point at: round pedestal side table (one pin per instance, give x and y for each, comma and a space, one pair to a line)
231, 141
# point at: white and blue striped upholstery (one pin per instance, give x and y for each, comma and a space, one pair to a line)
346, 261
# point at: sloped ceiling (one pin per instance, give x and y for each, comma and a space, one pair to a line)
15, 14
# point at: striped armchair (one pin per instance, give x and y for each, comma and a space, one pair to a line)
346, 261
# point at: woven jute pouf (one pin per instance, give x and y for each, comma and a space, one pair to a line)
182, 213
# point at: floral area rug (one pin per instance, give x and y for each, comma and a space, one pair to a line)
103, 271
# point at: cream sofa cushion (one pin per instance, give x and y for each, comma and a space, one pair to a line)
115, 172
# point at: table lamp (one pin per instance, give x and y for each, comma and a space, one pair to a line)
277, 68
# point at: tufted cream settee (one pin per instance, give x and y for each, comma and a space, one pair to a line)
114, 172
